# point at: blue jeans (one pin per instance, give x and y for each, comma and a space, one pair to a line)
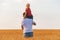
28, 34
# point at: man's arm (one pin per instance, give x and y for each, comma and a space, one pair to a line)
34, 23
22, 27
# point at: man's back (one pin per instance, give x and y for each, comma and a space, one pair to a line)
27, 23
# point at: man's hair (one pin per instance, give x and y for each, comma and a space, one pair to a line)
23, 13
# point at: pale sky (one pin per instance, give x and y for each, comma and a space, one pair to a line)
46, 13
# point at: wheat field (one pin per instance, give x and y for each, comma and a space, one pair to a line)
38, 35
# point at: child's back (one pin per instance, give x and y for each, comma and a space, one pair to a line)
28, 11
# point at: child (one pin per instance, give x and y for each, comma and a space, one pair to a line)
27, 26
28, 11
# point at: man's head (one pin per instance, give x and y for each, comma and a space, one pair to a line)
24, 15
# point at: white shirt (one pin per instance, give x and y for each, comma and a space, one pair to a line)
27, 24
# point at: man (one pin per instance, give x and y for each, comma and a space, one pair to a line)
27, 26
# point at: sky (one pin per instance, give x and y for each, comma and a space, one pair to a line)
46, 13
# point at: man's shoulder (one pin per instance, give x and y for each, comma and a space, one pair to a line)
25, 19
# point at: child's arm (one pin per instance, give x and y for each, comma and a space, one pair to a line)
25, 13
